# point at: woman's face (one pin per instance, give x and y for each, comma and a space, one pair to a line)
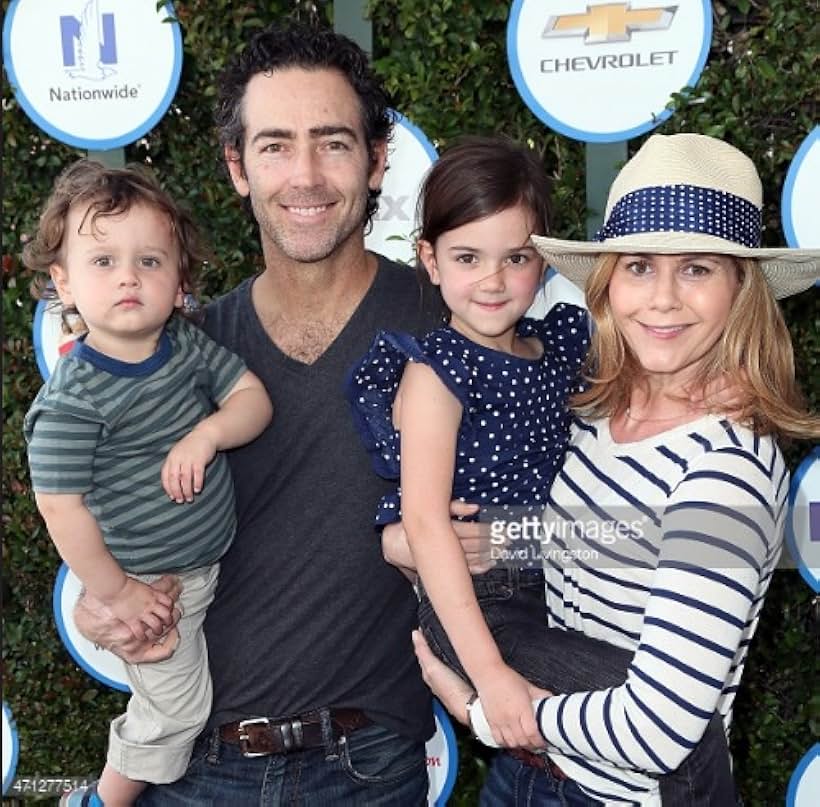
672, 309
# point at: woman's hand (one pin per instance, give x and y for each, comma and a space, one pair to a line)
449, 687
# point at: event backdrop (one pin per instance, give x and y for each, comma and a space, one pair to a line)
446, 63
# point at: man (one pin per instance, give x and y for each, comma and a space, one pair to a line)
318, 697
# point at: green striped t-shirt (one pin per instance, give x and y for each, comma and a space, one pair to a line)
103, 428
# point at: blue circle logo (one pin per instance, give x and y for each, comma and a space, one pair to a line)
93, 75
803, 519
11, 748
604, 71
804, 786
442, 758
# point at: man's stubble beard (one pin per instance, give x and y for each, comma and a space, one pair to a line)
310, 247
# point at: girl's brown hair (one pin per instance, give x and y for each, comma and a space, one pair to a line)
477, 177
106, 192
755, 351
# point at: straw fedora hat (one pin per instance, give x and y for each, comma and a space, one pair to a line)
685, 193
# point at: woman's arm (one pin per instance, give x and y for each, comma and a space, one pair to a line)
428, 420
721, 535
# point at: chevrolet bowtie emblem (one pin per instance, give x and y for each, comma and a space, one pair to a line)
610, 22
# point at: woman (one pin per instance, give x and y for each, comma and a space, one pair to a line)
666, 521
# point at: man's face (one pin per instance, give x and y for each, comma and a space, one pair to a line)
305, 164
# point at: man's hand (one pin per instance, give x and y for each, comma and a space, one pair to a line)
98, 624
474, 538
143, 608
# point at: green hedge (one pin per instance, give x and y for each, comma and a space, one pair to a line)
445, 63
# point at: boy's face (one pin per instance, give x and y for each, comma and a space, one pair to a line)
122, 275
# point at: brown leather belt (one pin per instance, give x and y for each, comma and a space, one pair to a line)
540, 761
262, 736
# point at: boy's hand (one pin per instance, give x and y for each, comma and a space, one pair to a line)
97, 623
142, 607
508, 708
183, 472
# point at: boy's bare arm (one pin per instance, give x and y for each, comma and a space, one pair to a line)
242, 415
79, 541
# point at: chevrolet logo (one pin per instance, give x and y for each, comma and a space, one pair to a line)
610, 22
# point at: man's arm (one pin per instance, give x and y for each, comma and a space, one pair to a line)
472, 535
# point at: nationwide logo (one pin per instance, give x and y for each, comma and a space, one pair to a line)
89, 43
610, 22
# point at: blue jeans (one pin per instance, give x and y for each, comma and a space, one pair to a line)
513, 784
514, 606
370, 767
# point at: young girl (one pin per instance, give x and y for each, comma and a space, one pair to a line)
479, 406
124, 445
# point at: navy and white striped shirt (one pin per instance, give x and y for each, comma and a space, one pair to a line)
665, 546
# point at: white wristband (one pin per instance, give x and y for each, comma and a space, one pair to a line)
478, 722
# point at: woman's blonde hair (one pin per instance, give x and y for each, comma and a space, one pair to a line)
755, 351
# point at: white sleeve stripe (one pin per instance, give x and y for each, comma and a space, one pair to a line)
661, 724
744, 455
729, 512
732, 480
560, 722
670, 627
669, 694
691, 536
698, 605
684, 668
658, 762
607, 706
710, 574
584, 728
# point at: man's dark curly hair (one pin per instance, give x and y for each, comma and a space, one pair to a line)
295, 44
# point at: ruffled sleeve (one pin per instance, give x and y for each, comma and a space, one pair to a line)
564, 332
372, 384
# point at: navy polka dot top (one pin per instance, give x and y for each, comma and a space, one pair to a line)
515, 425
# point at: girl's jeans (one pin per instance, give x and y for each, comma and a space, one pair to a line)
514, 606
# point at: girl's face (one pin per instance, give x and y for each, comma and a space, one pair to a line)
672, 310
488, 272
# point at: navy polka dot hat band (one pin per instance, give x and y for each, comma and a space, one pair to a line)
684, 209
685, 193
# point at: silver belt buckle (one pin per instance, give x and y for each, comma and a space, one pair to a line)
244, 739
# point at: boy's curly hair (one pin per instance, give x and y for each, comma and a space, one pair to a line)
106, 192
